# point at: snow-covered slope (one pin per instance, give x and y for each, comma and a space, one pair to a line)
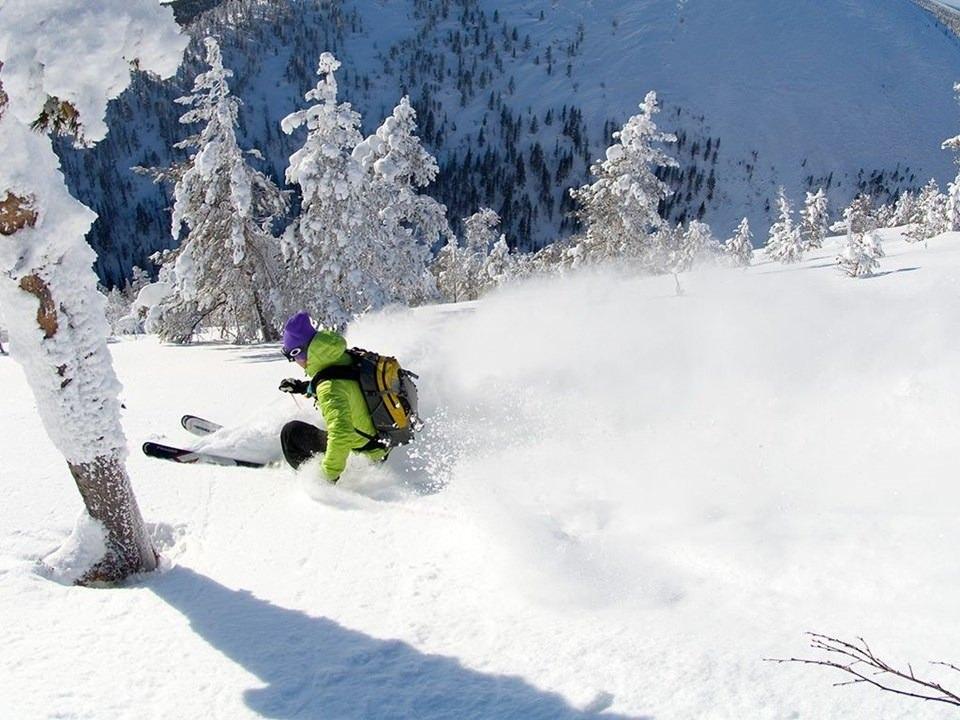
623, 500
851, 94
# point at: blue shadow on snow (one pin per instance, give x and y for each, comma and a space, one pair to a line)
317, 669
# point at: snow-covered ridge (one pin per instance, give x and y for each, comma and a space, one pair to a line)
851, 95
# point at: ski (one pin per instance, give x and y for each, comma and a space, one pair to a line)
198, 425
182, 455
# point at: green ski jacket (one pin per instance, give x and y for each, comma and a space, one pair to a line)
342, 405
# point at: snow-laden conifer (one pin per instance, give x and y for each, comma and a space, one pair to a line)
500, 266
861, 256
906, 211
620, 208
930, 214
784, 243
739, 248
953, 191
398, 167
480, 233
331, 257
228, 209
448, 273
59, 69
698, 244
814, 221
672, 251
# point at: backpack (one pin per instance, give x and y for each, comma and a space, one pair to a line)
389, 391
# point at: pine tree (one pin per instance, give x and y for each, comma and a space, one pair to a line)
48, 290
500, 266
397, 166
228, 209
739, 248
931, 214
784, 244
698, 244
620, 208
814, 221
906, 211
331, 258
480, 235
953, 192
448, 272
672, 252
861, 256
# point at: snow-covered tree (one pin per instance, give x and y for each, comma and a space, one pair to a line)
447, 271
861, 256
620, 208
739, 248
953, 192
672, 252
931, 214
121, 317
331, 256
906, 210
885, 215
814, 221
784, 243
480, 233
555, 258
57, 74
696, 243
228, 209
500, 266
397, 167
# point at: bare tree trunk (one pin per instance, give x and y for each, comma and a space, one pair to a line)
102, 480
268, 332
108, 496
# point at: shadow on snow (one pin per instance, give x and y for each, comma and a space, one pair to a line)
314, 668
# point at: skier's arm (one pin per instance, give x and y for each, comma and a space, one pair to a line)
341, 435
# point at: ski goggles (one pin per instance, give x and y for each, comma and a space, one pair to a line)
293, 354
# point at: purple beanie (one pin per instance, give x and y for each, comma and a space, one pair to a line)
298, 332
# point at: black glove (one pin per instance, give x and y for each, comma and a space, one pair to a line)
294, 386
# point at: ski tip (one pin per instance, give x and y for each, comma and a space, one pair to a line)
184, 420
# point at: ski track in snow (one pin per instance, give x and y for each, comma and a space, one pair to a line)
622, 502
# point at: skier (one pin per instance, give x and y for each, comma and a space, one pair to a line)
349, 425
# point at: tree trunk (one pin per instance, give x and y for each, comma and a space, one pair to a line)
108, 496
267, 330
67, 373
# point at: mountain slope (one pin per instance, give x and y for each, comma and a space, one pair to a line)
606, 510
517, 98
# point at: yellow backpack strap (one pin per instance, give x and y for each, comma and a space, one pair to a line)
388, 383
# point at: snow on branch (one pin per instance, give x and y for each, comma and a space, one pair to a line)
858, 660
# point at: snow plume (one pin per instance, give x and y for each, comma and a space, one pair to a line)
565, 432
